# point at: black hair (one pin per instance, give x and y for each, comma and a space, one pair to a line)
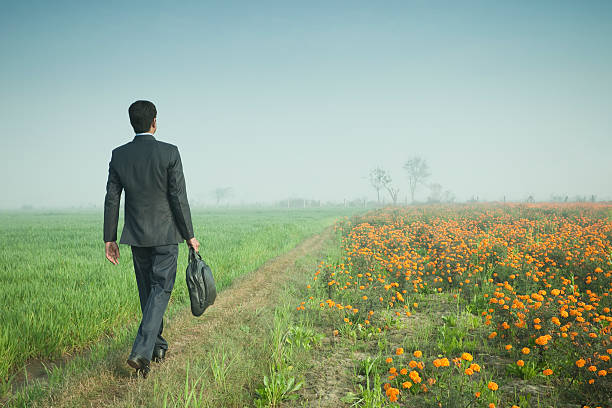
142, 114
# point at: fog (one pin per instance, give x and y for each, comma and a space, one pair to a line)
278, 99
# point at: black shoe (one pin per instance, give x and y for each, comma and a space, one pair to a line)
141, 365
159, 355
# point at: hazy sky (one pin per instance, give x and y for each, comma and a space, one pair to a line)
288, 98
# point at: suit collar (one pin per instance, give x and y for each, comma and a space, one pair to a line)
143, 137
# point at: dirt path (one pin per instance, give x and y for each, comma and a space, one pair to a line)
114, 384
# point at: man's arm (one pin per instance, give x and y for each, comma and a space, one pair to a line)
177, 196
111, 213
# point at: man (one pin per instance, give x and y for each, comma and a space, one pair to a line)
157, 219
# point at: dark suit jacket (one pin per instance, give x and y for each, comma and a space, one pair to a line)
156, 207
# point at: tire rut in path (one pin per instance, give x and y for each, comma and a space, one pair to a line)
184, 332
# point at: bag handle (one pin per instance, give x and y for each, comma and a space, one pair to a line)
193, 253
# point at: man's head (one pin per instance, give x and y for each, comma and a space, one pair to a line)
143, 116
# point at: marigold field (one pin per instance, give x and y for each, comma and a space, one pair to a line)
536, 278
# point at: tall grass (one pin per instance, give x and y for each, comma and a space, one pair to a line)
58, 294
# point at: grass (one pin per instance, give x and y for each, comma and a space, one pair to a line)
60, 295
245, 349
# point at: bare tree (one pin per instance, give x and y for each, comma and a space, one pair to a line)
222, 193
418, 172
393, 192
379, 179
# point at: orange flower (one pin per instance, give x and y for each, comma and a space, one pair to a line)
580, 363
547, 372
467, 357
406, 384
389, 360
492, 386
543, 340
417, 354
392, 393
441, 362
525, 350
399, 351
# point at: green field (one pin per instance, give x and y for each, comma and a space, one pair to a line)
59, 294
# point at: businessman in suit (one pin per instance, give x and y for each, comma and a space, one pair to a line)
157, 218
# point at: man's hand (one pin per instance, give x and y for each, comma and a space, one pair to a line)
193, 243
112, 252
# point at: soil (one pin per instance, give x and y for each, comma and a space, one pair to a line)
329, 379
